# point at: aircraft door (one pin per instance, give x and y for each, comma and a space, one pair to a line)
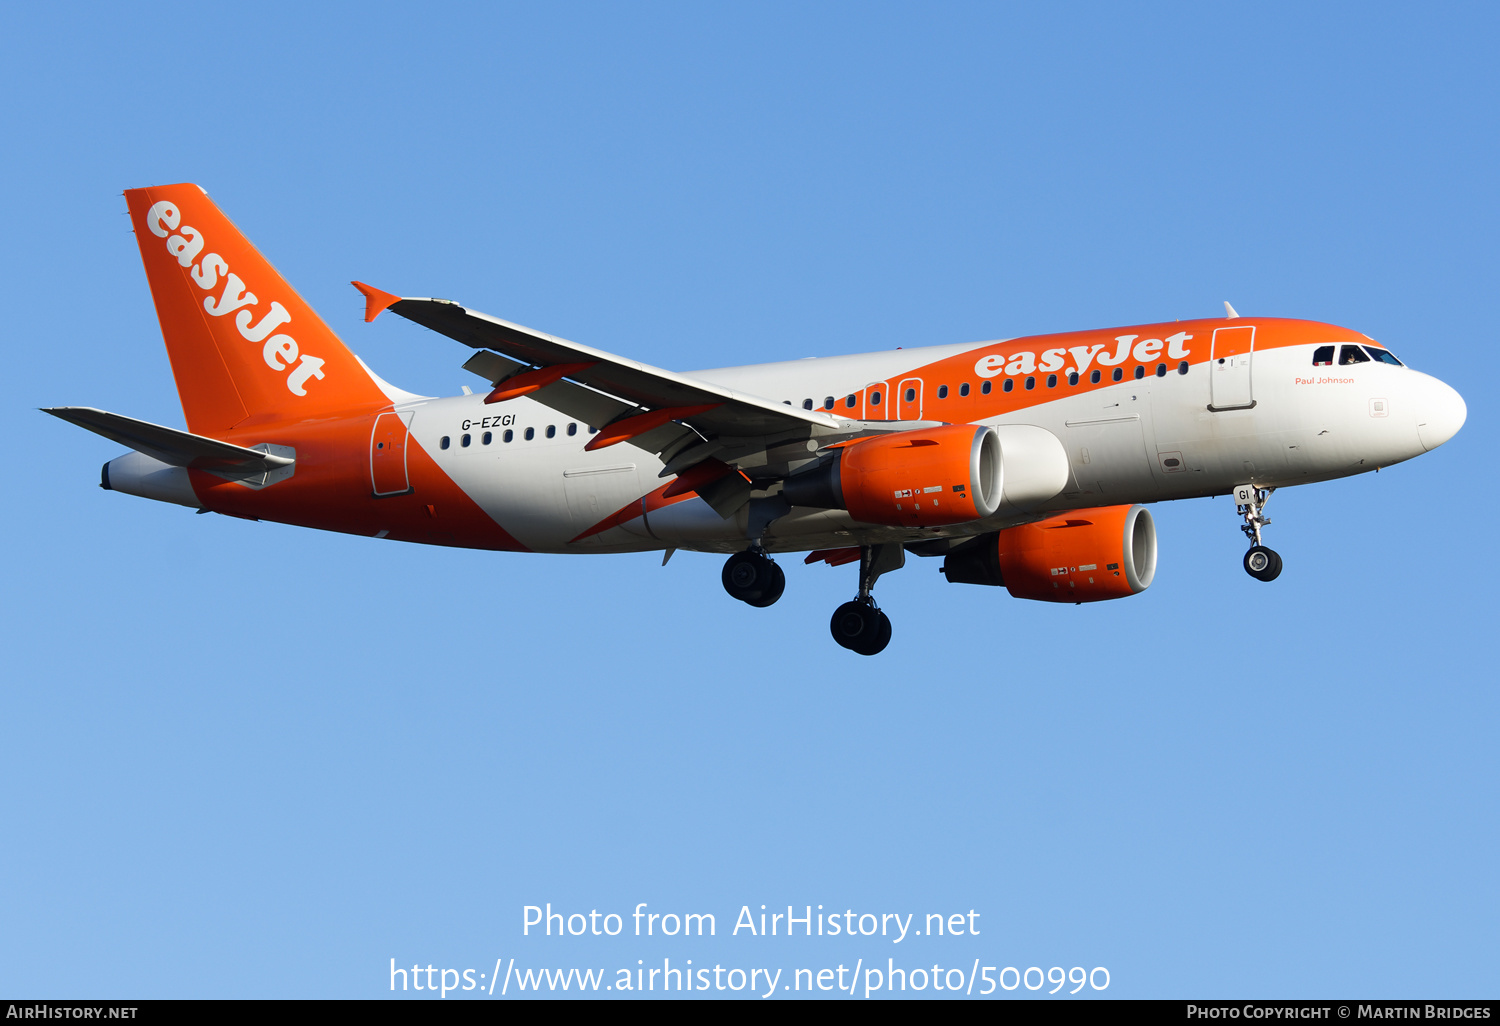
878, 402
388, 455
1229, 368
909, 399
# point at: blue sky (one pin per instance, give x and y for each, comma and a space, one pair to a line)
252, 760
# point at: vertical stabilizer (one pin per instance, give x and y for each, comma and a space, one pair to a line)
245, 347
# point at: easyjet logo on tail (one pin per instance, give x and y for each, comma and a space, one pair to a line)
279, 351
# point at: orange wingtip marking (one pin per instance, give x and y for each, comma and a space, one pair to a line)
833, 557
631, 427
530, 381
698, 475
375, 300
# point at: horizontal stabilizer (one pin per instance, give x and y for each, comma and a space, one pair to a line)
177, 448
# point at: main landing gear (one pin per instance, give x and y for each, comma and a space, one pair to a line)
1260, 562
859, 625
754, 578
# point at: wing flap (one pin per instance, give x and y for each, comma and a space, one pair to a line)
585, 405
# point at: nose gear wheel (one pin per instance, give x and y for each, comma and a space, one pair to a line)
1262, 563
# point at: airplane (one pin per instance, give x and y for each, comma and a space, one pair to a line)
1024, 463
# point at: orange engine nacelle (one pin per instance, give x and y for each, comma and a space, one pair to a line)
926, 478
1084, 556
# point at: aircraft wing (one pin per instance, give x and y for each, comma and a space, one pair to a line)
606, 390
177, 448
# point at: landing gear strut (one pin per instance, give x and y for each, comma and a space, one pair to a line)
754, 578
859, 625
1250, 502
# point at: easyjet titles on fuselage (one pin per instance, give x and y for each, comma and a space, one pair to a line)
1126, 346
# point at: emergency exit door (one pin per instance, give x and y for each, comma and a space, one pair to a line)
909, 399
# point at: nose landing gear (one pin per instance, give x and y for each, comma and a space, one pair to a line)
754, 578
1250, 502
859, 625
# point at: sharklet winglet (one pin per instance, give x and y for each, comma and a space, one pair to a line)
376, 301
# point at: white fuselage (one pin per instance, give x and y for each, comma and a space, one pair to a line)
1138, 440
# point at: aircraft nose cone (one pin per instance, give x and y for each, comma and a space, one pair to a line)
1440, 414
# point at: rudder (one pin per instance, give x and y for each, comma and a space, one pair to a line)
245, 347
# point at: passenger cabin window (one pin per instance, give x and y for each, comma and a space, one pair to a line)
942, 392
828, 403
551, 430
985, 388
1351, 355
1010, 383
464, 441
1323, 356
963, 389
573, 429
807, 404
849, 402
530, 434
508, 436
1094, 378
1383, 356
487, 438
874, 398
444, 443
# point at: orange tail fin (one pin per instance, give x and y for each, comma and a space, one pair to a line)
245, 348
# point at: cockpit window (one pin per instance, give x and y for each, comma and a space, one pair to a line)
1382, 356
1351, 355
1323, 356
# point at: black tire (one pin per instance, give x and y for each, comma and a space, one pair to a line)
750, 577
860, 627
882, 637
773, 590
1262, 563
